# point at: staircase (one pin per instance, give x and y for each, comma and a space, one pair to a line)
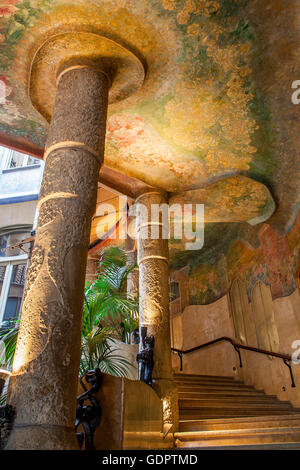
222, 413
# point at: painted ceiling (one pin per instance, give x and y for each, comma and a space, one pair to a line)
213, 121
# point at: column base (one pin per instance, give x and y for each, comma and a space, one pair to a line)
167, 391
42, 437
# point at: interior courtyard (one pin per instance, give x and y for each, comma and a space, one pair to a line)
149, 224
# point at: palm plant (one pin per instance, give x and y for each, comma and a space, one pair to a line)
108, 315
114, 308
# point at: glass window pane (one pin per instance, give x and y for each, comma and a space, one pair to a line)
8, 241
3, 244
2, 274
17, 159
33, 161
15, 294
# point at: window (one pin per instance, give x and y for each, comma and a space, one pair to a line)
18, 159
12, 274
12, 281
240, 310
2, 275
266, 329
8, 242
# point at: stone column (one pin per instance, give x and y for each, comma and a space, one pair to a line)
43, 385
153, 262
133, 276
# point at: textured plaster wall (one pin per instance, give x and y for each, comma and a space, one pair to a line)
21, 213
272, 375
258, 255
200, 324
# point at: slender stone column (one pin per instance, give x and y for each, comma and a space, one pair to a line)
43, 385
153, 262
133, 276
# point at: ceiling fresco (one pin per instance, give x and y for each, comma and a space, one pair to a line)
213, 107
260, 255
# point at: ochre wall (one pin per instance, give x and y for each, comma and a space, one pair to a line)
266, 257
271, 374
202, 323
17, 214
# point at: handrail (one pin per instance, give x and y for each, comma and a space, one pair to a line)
237, 346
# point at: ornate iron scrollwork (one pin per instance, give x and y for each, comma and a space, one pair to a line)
145, 357
88, 416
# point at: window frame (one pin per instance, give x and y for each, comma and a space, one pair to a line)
9, 262
8, 157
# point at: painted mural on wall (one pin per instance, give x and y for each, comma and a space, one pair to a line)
274, 261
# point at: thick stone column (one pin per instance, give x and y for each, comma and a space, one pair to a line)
153, 262
43, 385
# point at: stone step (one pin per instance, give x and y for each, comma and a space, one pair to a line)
249, 422
223, 397
220, 412
206, 379
232, 385
237, 437
212, 413
220, 378
195, 403
218, 389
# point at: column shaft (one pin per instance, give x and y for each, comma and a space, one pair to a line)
153, 261
43, 385
133, 277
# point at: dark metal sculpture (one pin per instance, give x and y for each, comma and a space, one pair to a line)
145, 357
136, 336
88, 416
7, 414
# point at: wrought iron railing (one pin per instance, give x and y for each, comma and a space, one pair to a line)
287, 359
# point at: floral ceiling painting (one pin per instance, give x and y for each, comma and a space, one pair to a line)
214, 104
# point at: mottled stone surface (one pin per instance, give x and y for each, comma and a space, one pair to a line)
43, 385
154, 300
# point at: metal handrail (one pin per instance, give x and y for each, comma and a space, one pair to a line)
287, 359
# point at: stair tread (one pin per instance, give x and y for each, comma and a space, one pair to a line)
226, 420
216, 411
259, 440
207, 376
196, 403
225, 398
285, 434
205, 388
232, 385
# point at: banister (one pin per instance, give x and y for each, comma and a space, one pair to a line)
237, 346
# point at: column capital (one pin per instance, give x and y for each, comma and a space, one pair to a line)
72, 50
152, 194
65, 68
